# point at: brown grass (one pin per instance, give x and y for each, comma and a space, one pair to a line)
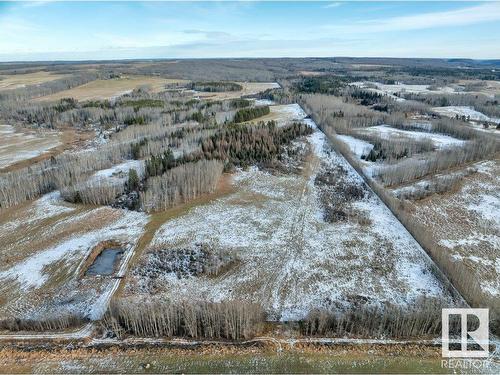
69, 138
106, 89
15, 81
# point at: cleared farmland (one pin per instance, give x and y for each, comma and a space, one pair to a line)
15, 81
111, 88
16, 146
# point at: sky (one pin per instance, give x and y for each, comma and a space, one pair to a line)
50, 30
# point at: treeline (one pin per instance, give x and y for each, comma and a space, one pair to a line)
51, 87
421, 320
40, 324
324, 84
93, 191
180, 184
241, 145
58, 172
248, 114
215, 86
412, 169
339, 115
482, 103
235, 320
449, 270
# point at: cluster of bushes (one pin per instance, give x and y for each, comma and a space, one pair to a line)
183, 262
136, 120
337, 193
365, 97
248, 114
159, 164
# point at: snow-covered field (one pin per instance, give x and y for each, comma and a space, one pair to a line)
44, 246
387, 132
469, 112
466, 223
283, 114
119, 173
249, 88
401, 88
286, 256
16, 146
357, 146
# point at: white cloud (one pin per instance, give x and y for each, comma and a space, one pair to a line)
332, 5
466, 16
37, 3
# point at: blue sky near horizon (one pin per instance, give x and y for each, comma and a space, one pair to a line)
49, 30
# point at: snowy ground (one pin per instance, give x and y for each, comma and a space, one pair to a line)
465, 223
390, 133
16, 146
468, 112
44, 246
288, 258
283, 114
249, 88
119, 173
401, 88
357, 146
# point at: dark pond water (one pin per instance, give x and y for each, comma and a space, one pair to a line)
105, 262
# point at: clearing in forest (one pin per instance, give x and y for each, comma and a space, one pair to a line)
249, 88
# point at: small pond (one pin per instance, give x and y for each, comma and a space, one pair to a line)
106, 262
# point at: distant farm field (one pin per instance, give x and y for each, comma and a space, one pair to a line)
16, 81
17, 146
249, 88
110, 88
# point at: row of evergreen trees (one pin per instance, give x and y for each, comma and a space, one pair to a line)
247, 114
246, 145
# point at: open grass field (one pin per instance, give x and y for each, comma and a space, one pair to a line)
45, 244
16, 146
282, 253
110, 88
282, 114
465, 223
296, 359
21, 148
16, 81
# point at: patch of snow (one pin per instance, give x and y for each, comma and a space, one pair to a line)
289, 259
453, 111
262, 102
30, 272
358, 147
119, 172
388, 132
